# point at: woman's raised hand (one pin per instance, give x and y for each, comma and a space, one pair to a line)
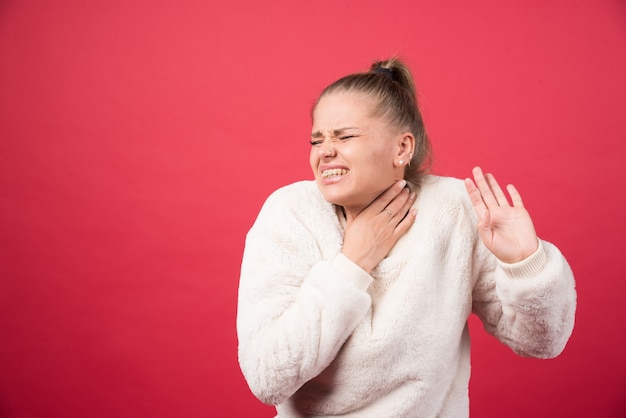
507, 231
372, 233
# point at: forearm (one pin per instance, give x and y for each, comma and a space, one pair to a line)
530, 305
289, 335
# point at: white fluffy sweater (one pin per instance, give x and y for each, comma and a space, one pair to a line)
318, 336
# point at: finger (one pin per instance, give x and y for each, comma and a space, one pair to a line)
475, 197
483, 187
380, 203
516, 198
406, 223
406, 201
497, 191
400, 205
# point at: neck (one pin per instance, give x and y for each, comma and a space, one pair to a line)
349, 213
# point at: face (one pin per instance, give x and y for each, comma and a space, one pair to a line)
353, 152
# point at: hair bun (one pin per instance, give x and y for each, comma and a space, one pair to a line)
388, 72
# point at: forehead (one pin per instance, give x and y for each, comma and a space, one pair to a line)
341, 108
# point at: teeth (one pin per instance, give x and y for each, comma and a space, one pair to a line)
334, 172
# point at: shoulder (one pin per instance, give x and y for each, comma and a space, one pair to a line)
444, 190
299, 200
445, 198
294, 195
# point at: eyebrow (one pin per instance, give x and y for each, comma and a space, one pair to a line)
336, 132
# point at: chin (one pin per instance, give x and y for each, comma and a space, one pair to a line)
338, 195
334, 199
341, 200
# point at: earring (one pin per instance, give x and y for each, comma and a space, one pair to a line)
401, 162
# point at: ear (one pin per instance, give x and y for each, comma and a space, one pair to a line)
405, 143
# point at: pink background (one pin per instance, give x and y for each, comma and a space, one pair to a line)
138, 140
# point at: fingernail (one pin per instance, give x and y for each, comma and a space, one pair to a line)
402, 183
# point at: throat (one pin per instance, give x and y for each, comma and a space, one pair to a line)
341, 215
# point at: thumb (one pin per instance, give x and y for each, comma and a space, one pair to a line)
485, 218
484, 229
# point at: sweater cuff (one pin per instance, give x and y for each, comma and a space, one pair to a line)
352, 272
529, 267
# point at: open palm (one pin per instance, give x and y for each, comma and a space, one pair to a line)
506, 230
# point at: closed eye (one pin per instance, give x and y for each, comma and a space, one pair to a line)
347, 137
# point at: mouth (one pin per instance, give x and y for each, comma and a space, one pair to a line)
334, 173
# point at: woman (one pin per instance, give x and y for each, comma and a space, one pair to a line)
356, 289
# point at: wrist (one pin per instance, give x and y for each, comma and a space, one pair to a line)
359, 261
352, 272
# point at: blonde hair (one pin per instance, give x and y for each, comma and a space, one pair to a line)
390, 84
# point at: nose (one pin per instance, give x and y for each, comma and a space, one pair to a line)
327, 150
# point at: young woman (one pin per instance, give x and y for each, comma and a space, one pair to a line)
356, 288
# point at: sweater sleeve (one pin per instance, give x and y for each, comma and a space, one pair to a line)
295, 309
529, 305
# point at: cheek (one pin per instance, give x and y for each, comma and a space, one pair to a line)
379, 165
313, 160
378, 158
